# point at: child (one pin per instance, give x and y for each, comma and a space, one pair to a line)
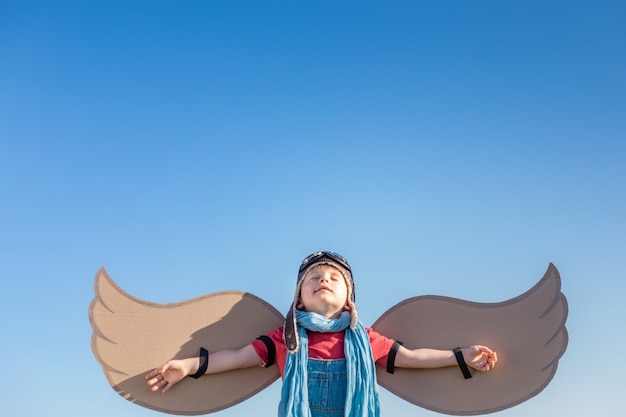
325, 355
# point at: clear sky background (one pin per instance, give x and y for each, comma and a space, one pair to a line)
452, 148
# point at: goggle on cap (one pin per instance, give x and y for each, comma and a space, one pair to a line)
318, 258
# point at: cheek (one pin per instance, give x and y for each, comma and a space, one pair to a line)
305, 295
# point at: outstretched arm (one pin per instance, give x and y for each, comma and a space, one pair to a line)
171, 372
478, 357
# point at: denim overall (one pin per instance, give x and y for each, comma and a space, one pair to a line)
327, 387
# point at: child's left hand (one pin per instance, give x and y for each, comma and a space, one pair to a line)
480, 357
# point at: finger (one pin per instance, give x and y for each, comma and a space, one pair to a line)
153, 373
158, 384
154, 380
167, 385
160, 370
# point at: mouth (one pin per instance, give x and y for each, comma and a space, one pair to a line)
323, 288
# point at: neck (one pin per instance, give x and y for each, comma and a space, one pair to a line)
329, 314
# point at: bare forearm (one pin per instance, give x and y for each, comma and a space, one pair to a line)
424, 358
226, 360
477, 357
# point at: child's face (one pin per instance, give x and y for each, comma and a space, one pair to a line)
324, 291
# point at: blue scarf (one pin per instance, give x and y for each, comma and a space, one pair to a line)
362, 391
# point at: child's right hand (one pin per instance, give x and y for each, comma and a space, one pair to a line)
167, 375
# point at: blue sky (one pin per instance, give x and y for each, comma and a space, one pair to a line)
451, 148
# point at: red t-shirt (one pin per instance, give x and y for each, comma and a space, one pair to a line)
324, 346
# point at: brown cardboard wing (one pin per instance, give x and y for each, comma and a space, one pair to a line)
131, 337
527, 332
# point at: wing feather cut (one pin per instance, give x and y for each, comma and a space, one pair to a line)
132, 336
528, 333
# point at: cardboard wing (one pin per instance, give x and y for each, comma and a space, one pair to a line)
131, 337
527, 332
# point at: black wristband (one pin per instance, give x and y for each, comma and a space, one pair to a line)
204, 363
271, 350
391, 357
459, 359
